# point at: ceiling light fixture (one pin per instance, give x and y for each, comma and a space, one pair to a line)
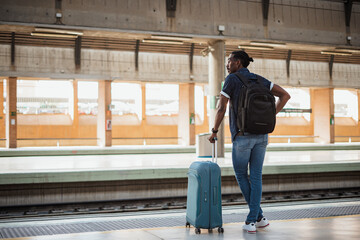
170, 37
57, 30
162, 41
256, 47
336, 53
272, 44
352, 50
206, 51
53, 35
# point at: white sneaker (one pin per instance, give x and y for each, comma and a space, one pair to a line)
250, 228
262, 223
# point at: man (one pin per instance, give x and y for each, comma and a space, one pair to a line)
248, 149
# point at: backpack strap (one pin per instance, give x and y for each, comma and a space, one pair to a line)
244, 79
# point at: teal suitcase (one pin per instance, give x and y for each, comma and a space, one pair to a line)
204, 209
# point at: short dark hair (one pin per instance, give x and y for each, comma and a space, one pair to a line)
243, 57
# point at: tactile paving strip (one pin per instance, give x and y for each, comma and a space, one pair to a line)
100, 226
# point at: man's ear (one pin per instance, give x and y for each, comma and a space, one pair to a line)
240, 64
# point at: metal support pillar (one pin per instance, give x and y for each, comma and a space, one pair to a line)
331, 64
12, 49
265, 13
191, 57
137, 55
288, 59
78, 52
347, 9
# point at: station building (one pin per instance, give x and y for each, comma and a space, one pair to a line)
312, 53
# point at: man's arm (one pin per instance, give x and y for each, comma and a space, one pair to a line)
219, 115
283, 95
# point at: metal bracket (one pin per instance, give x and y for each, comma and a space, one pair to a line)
137, 55
331, 64
58, 12
265, 11
191, 56
78, 52
170, 8
347, 10
13, 48
288, 63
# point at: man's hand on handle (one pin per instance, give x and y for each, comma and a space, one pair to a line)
212, 138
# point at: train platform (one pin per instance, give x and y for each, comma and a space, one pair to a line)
326, 219
40, 176
69, 164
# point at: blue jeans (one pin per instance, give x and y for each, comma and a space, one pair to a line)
249, 150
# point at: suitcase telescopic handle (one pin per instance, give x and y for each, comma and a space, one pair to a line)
214, 150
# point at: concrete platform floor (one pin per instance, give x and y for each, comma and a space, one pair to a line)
324, 228
329, 228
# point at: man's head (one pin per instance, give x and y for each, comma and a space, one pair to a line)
237, 60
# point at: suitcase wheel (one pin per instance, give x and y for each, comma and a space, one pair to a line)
187, 224
197, 230
221, 230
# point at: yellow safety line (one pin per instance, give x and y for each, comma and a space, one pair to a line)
302, 219
318, 218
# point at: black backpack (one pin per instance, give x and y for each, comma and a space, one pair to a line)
256, 109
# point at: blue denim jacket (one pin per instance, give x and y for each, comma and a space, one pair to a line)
231, 90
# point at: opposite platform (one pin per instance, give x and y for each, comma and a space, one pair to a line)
160, 149
88, 168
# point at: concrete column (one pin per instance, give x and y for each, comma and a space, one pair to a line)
11, 118
75, 120
2, 115
143, 103
186, 120
323, 111
216, 76
144, 132
104, 124
358, 123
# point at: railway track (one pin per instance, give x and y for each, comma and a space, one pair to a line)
151, 204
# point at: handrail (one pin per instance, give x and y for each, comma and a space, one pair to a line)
350, 140
120, 138
149, 138
56, 138
146, 138
293, 136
